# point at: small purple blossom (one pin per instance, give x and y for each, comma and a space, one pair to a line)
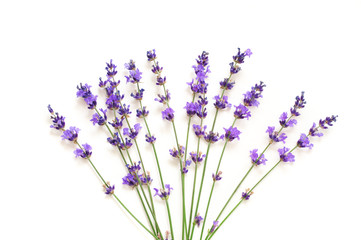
214, 226
286, 122
234, 69
211, 137
109, 189
83, 90
177, 152
117, 123
242, 112
250, 98
198, 130
221, 102
124, 110
168, 114
150, 139
275, 136
231, 133
130, 180
85, 152
239, 57
138, 95
256, 159
111, 69
286, 156
217, 177
133, 132
198, 219
156, 69
161, 80
246, 195
299, 103
192, 108
197, 158
125, 145
100, 120
113, 102
202, 101
186, 164
135, 168
102, 83
163, 193
226, 84
304, 141
151, 55
134, 76
71, 134
115, 140
327, 121
130, 66
58, 121
163, 99
141, 113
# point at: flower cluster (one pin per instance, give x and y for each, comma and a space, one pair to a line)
115, 117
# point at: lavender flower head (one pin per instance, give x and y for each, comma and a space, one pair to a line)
71, 134
197, 158
109, 189
239, 57
115, 140
150, 139
246, 195
117, 124
198, 130
231, 133
221, 102
286, 156
214, 226
124, 110
130, 66
241, 112
314, 130
217, 177
198, 219
98, 119
85, 152
142, 113
299, 103
134, 76
275, 136
163, 193
211, 137
304, 142
192, 108
58, 121
168, 114
287, 122
85, 93
250, 98
111, 69
133, 132
126, 144
130, 180
177, 152
151, 55
256, 159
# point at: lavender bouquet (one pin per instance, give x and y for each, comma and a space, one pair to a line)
115, 116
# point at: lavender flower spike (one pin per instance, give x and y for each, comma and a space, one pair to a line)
109, 190
71, 134
163, 193
86, 153
286, 156
198, 219
256, 159
304, 141
168, 114
214, 226
275, 136
246, 195
231, 133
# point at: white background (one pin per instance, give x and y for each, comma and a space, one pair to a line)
47, 48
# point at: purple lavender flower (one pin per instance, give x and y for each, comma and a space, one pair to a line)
168, 114
113, 102
163, 193
286, 156
138, 95
130, 180
217, 177
124, 110
186, 164
151, 55
214, 226
161, 80
250, 98
198, 130
177, 152
327, 121
141, 113
109, 90
163, 99
192, 108
304, 141
83, 90
115, 140
299, 103
134, 169
117, 124
127, 144
102, 83
285, 122
71, 134
197, 158
109, 189
203, 59
85, 152
100, 120
234, 69
133, 132
226, 84
211, 137
150, 139
241, 112
130, 66
239, 58
156, 69
246, 195
198, 219
111, 69
202, 101
231, 133
91, 101
257, 160
221, 103
134, 76
275, 136
58, 121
